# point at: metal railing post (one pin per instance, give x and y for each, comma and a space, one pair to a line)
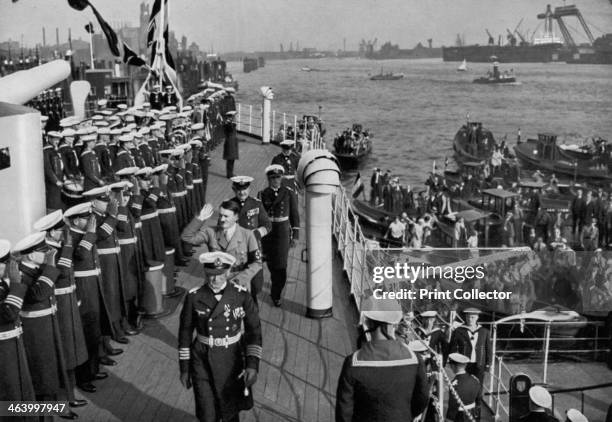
295, 127
546, 350
239, 115
273, 127
492, 369
250, 118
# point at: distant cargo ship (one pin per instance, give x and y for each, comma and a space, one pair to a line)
547, 48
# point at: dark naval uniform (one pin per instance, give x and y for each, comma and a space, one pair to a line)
92, 171
230, 147
41, 335
106, 162
16, 381
282, 208
290, 164
476, 345
220, 352
436, 339
54, 172
242, 246
70, 160
124, 159
541, 416
254, 217
383, 381
468, 389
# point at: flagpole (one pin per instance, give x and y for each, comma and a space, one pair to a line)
160, 44
91, 56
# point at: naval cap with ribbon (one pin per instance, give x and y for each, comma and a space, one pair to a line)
540, 396
429, 314
459, 358
144, 173
79, 210
417, 346
241, 182
119, 186
231, 113
574, 415
472, 311
275, 169
126, 172
51, 221
381, 310
5, 250
31, 243
216, 262
160, 169
54, 134
287, 143
197, 126
196, 142
100, 193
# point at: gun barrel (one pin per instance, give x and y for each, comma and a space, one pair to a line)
22, 86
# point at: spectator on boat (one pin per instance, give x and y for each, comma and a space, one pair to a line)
558, 241
429, 220
590, 236
460, 233
578, 211
531, 238
508, 230
376, 187
396, 233
539, 245
408, 198
543, 224
397, 197
607, 224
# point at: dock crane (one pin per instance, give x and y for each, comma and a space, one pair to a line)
558, 15
511, 38
491, 39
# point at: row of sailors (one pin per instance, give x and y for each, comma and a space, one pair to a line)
79, 281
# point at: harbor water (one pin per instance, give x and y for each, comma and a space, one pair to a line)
413, 120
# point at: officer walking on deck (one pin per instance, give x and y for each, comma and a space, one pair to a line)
289, 159
466, 388
230, 147
254, 217
223, 360
384, 380
281, 204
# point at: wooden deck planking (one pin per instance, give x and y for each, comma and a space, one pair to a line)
302, 357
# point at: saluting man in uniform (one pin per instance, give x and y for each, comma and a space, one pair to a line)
16, 381
254, 217
289, 159
467, 388
54, 171
90, 163
222, 362
281, 204
383, 381
228, 237
124, 156
472, 340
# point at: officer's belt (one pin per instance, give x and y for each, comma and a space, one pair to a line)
65, 290
179, 194
148, 216
128, 241
15, 332
467, 407
109, 251
166, 210
138, 225
279, 219
198, 180
39, 314
218, 342
87, 273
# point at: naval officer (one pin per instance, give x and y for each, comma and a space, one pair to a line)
383, 380
540, 405
254, 217
281, 204
289, 159
467, 389
222, 362
473, 341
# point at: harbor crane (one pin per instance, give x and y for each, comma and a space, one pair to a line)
491, 39
558, 15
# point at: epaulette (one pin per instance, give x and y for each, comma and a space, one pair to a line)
195, 289
239, 287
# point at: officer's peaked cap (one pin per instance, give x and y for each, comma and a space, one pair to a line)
241, 182
49, 222
540, 396
382, 310
459, 358
216, 262
275, 169
30, 243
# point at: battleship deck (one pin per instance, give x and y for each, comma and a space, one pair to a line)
302, 357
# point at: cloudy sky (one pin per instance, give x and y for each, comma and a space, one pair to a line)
231, 25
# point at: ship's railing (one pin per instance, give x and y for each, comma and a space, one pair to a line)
581, 390
249, 120
495, 388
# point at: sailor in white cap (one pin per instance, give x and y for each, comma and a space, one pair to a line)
92, 170
69, 155
230, 146
169, 97
252, 217
68, 317
289, 159
434, 336
473, 341
467, 388
38, 315
540, 406
281, 204
104, 154
574, 415
383, 380
54, 171
124, 155
222, 350
16, 381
